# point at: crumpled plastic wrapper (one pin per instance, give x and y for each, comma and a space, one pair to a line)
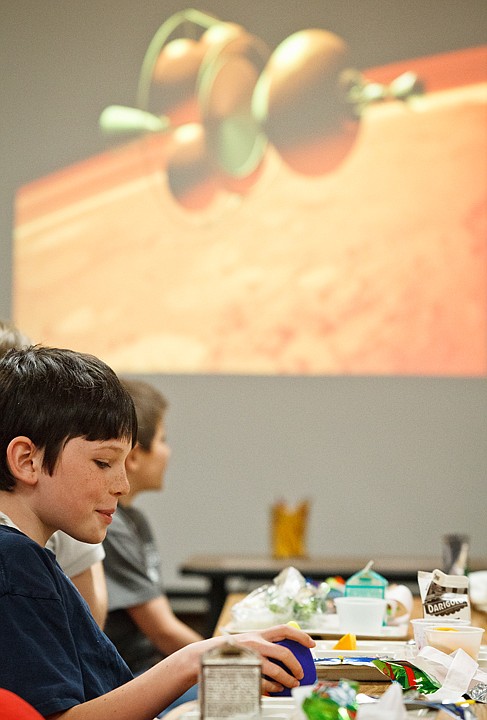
326, 701
289, 597
457, 673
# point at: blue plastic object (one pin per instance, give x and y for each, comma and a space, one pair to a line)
305, 659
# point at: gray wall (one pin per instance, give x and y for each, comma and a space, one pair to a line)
389, 464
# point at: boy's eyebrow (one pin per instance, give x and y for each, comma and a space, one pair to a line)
115, 448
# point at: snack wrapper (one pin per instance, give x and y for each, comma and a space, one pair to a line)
479, 692
328, 701
444, 596
408, 675
290, 597
336, 586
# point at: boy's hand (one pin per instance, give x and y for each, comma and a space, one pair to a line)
264, 643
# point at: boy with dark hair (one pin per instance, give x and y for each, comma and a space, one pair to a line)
66, 428
82, 562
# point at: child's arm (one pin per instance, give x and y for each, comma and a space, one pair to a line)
158, 622
146, 695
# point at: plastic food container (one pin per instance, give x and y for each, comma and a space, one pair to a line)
421, 624
448, 639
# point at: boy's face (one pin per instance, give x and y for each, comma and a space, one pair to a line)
153, 462
81, 495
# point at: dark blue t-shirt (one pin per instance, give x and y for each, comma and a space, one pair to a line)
54, 655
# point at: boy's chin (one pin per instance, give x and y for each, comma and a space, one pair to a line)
92, 538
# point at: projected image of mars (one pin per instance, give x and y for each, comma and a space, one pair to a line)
321, 242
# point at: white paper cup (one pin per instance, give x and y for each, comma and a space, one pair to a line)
448, 639
361, 615
420, 626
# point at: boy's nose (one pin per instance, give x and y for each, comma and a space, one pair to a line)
122, 487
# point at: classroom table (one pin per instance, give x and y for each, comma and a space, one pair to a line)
219, 569
478, 618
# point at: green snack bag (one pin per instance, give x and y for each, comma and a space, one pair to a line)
408, 676
332, 701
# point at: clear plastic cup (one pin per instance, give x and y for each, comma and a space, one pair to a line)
421, 624
361, 615
449, 639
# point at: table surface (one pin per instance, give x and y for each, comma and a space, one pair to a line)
218, 568
263, 566
481, 711
478, 618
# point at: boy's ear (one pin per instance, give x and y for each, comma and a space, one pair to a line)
23, 459
132, 460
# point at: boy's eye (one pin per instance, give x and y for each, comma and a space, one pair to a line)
102, 464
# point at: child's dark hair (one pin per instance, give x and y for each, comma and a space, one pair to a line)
52, 396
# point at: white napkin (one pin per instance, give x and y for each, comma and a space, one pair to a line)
456, 673
389, 707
